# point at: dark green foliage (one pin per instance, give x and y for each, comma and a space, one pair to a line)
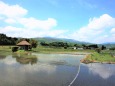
4, 40
44, 44
93, 46
103, 47
33, 43
55, 44
113, 48
14, 49
98, 50
78, 46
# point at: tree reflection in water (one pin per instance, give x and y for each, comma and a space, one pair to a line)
2, 57
27, 58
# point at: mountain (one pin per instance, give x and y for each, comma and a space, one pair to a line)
109, 44
51, 39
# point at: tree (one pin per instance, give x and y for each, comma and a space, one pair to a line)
66, 45
44, 44
4, 40
33, 43
103, 47
93, 46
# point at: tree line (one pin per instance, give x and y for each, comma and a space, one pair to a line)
5, 40
55, 44
67, 45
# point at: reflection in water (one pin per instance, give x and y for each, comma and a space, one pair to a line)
96, 74
25, 58
2, 57
103, 70
8, 61
48, 70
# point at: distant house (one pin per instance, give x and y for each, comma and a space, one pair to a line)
24, 45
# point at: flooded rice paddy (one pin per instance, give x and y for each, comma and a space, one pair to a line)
96, 74
53, 70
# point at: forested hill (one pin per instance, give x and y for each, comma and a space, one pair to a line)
50, 39
109, 44
5, 40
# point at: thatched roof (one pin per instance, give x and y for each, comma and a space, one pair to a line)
23, 43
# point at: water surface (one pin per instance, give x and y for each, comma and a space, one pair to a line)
96, 74
41, 70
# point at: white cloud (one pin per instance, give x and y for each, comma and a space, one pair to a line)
29, 33
39, 24
14, 16
97, 27
10, 20
10, 29
102, 22
113, 30
11, 11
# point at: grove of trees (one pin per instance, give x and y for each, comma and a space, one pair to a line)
55, 44
5, 40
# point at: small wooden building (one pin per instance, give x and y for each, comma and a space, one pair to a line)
24, 45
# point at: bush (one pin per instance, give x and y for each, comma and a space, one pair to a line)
98, 50
14, 49
113, 48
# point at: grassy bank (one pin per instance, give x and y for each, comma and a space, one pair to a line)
103, 57
42, 49
5, 50
99, 57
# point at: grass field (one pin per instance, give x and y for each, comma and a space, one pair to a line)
42, 49
5, 50
104, 56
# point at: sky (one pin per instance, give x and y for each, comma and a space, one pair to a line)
83, 20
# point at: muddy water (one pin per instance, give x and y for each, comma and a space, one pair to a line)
39, 69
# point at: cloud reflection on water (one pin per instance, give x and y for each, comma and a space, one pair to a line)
103, 70
49, 70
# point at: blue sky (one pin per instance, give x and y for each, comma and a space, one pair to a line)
82, 20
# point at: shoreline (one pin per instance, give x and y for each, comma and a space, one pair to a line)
85, 61
86, 54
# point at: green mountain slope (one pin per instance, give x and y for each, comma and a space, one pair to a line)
49, 40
